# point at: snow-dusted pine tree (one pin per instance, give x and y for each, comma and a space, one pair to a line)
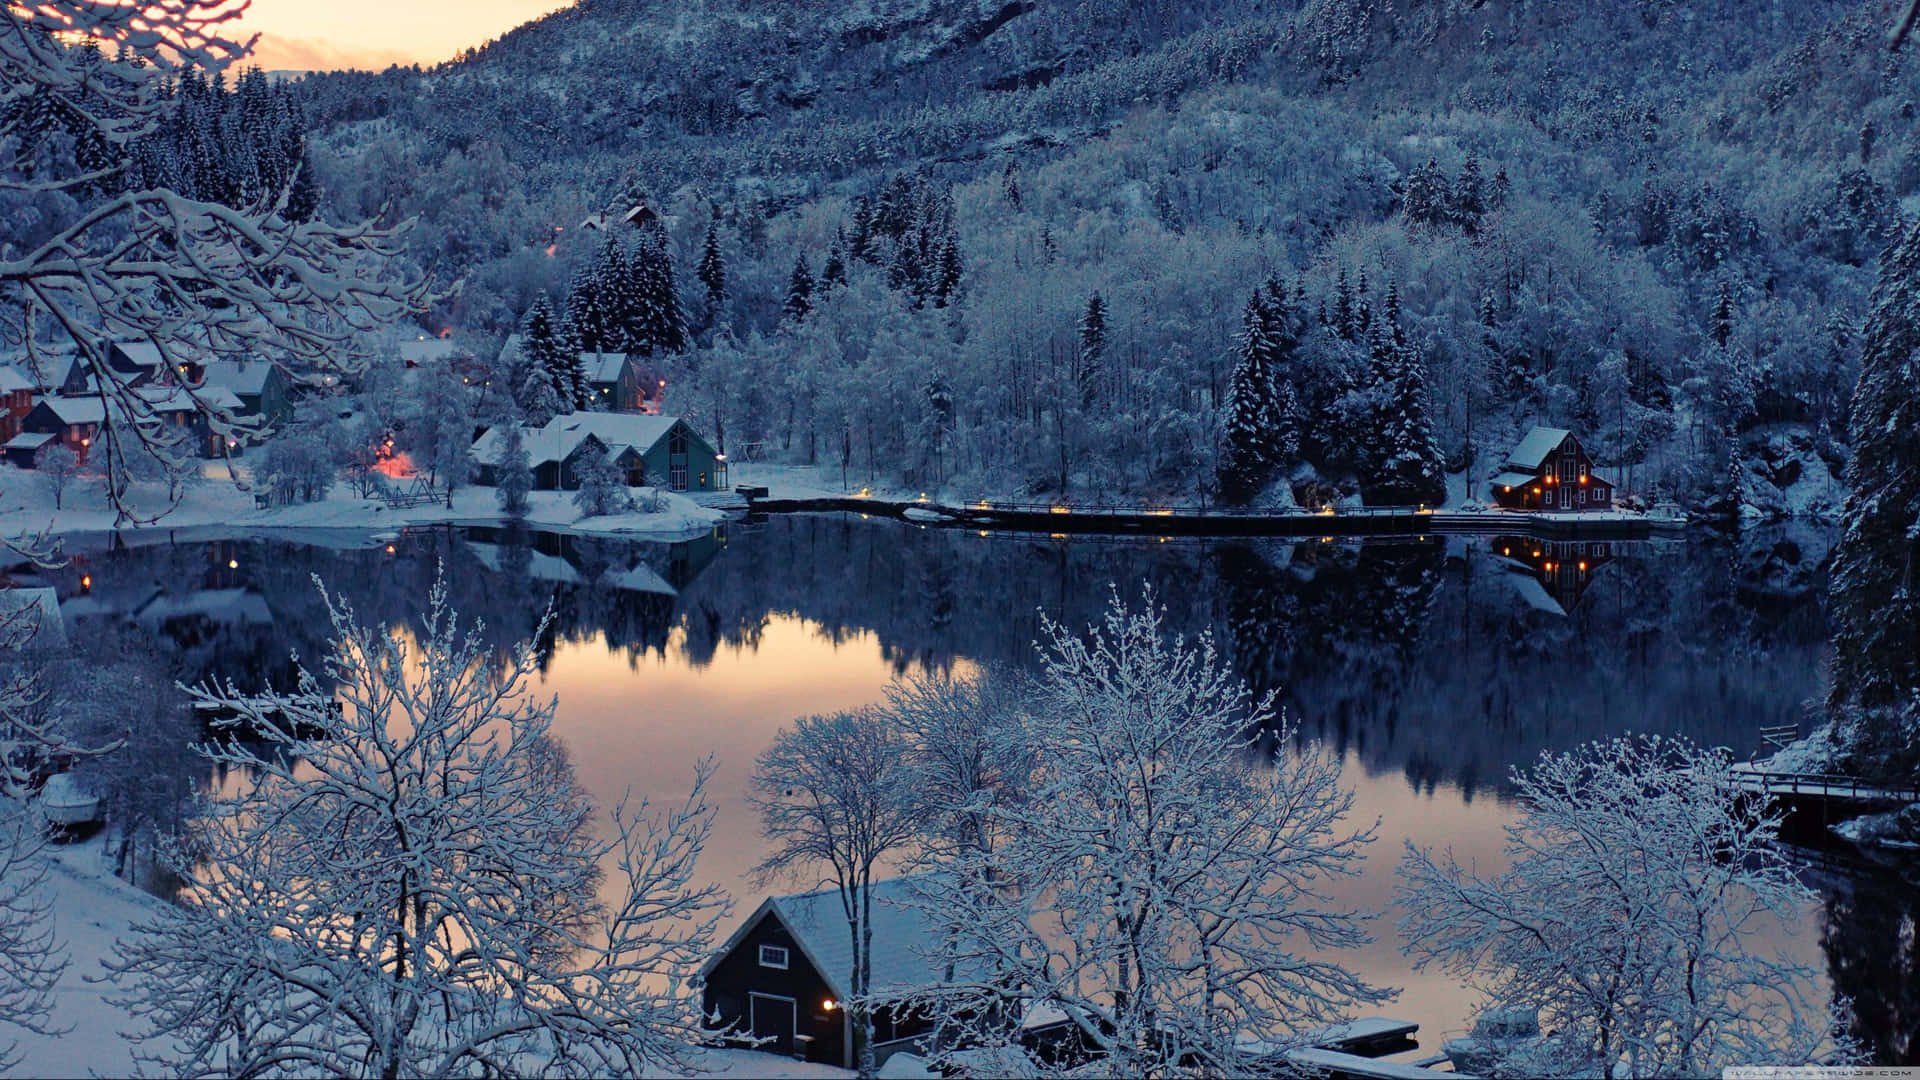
1157, 884
1093, 350
409, 883
1639, 880
712, 273
660, 326
514, 474
546, 346
799, 291
1875, 701
835, 797
1254, 416
1406, 464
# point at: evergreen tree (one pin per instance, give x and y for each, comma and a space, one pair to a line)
1721, 325
861, 245
550, 356
834, 274
947, 280
712, 272
1093, 349
1010, 184
1502, 190
1344, 322
1875, 701
1406, 465
594, 302
799, 291
1428, 202
660, 324
514, 473
1255, 418
1469, 197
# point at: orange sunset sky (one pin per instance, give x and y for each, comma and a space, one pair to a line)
311, 35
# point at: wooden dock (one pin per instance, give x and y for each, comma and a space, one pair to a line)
1065, 519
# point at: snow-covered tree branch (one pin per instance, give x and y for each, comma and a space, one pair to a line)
1158, 884
413, 885
193, 279
1639, 878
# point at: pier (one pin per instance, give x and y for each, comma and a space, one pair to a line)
1062, 519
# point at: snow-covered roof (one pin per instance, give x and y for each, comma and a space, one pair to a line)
29, 440
562, 435
35, 614
603, 367
1534, 593
510, 351
171, 399
903, 936
545, 445
245, 377
76, 410
642, 578
1511, 479
220, 605
540, 565
427, 350
12, 381
145, 353
1534, 449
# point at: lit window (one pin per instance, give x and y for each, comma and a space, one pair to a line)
773, 956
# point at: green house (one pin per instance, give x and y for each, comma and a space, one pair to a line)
654, 451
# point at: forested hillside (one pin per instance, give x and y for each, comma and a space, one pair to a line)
1028, 245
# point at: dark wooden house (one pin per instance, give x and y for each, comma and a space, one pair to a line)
73, 422
1549, 470
783, 974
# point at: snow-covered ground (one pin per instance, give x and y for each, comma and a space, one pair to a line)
93, 909
217, 505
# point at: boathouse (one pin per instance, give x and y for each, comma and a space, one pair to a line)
782, 976
1548, 470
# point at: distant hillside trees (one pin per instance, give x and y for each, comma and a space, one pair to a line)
235, 147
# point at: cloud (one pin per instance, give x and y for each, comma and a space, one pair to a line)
277, 52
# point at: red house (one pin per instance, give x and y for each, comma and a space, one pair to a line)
1548, 470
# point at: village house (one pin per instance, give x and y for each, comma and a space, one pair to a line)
259, 388
16, 400
650, 450
782, 976
618, 381
139, 363
73, 422
1548, 470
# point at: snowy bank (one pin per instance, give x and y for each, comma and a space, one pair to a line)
216, 506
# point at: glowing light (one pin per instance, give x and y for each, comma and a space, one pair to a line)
389, 549
1059, 510
86, 582
1583, 567
983, 534
1161, 513
829, 1004
233, 564
865, 493
923, 497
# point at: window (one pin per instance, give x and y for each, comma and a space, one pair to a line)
773, 956
677, 442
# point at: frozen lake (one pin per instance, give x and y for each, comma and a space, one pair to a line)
1432, 666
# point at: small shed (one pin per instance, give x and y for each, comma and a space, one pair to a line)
1549, 470
782, 976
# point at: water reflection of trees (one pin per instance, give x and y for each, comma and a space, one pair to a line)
1873, 953
1430, 657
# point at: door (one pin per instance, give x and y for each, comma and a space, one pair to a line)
771, 1016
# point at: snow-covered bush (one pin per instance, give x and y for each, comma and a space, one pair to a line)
1639, 880
410, 883
603, 490
297, 465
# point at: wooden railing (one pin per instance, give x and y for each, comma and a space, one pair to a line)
1823, 785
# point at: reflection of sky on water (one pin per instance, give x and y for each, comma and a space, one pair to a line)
643, 725
1431, 665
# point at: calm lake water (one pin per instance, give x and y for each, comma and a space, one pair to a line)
1432, 666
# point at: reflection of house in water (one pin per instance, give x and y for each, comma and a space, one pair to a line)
1551, 575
